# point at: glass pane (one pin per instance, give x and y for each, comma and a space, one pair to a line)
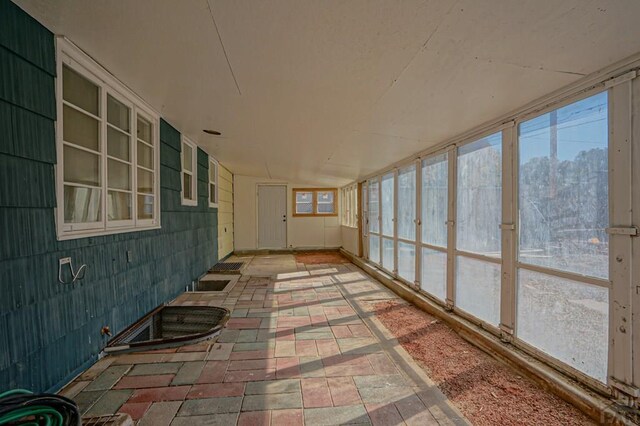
304, 202
117, 144
118, 175
434, 273
304, 208
407, 204
186, 186
325, 208
304, 197
144, 130
82, 204
387, 205
478, 288
565, 319
212, 193
145, 156
118, 114
187, 157
564, 191
435, 195
374, 248
212, 172
118, 205
407, 261
374, 206
79, 91
325, 196
81, 167
387, 254
480, 196
145, 181
325, 202
145, 206
80, 129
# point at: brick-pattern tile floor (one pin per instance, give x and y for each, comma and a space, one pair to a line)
300, 348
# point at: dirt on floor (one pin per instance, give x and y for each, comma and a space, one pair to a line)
320, 257
487, 391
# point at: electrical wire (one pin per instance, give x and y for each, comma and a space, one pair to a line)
22, 407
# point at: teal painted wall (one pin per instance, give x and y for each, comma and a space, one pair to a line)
49, 331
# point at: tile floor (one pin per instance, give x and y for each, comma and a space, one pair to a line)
301, 348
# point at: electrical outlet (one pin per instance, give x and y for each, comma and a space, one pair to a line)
129, 256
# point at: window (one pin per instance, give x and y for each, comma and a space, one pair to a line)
315, 202
350, 205
435, 199
387, 210
478, 235
189, 173
563, 194
106, 176
406, 223
374, 220
213, 182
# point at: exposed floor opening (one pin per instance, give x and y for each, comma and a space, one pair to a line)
215, 282
170, 326
212, 285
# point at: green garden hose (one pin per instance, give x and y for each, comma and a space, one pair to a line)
22, 407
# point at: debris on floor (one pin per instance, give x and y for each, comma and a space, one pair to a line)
320, 257
487, 391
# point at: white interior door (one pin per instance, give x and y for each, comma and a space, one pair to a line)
272, 216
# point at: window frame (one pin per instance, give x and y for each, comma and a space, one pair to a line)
349, 206
314, 202
194, 173
70, 56
215, 202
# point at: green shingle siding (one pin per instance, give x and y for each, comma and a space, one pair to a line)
32, 136
25, 37
169, 159
49, 331
26, 183
34, 93
169, 135
6, 129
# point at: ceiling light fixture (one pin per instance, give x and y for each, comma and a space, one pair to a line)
212, 132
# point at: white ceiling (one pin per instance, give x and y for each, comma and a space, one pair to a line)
324, 92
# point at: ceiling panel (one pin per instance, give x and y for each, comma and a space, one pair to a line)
325, 92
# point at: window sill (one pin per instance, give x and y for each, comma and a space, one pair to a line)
102, 233
190, 203
314, 215
349, 226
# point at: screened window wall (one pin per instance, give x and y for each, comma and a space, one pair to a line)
437, 223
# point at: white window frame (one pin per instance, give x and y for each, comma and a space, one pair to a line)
621, 90
193, 173
349, 205
68, 54
213, 162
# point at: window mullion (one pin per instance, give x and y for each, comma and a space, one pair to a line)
103, 153
133, 154
314, 200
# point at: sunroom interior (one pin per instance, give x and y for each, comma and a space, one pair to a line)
469, 162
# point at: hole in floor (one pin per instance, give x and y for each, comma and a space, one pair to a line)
212, 285
170, 326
